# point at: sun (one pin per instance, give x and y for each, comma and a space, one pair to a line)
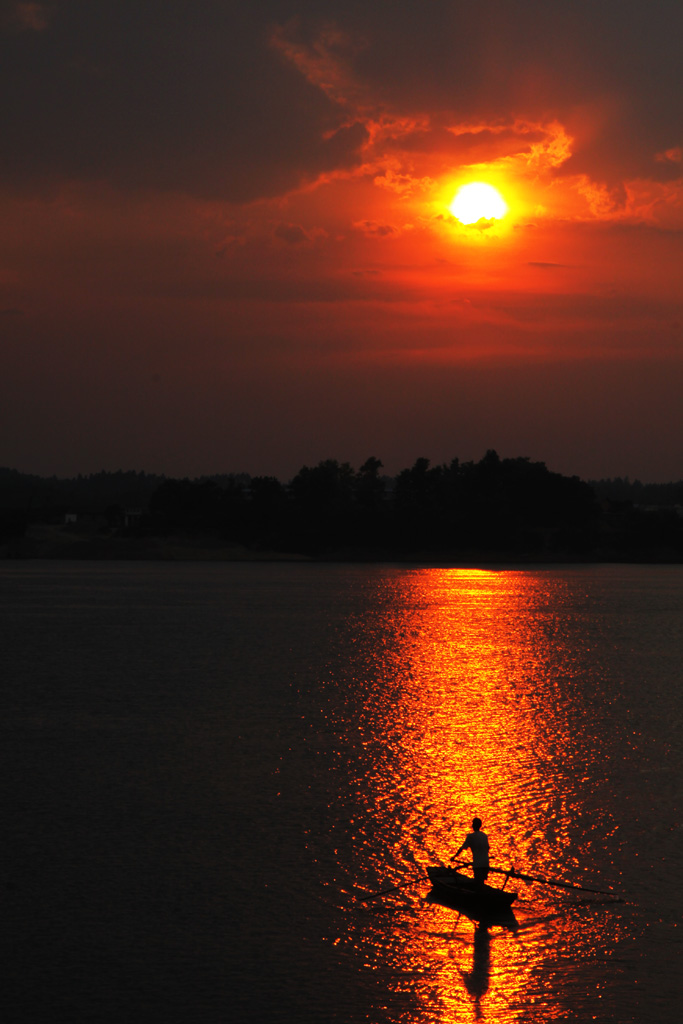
478, 201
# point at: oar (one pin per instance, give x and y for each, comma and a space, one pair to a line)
551, 881
383, 892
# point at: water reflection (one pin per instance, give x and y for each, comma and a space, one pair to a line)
473, 706
476, 980
473, 713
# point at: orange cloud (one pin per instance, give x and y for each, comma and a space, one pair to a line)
408, 153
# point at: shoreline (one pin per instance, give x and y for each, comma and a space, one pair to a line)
61, 544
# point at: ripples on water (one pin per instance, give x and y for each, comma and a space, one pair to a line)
260, 746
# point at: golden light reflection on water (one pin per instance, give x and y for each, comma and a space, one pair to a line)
474, 726
477, 748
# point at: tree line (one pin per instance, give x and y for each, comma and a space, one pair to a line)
622, 489
512, 508
495, 504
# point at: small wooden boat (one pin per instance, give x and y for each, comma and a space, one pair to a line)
469, 895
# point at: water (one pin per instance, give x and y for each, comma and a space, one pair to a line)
206, 767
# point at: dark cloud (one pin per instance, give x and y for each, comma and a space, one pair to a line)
168, 95
373, 228
547, 266
293, 234
25, 17
194, 97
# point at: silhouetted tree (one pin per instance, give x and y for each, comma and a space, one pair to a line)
322, 505
371, 508
187, 505
418, 505
234, 511
268, 512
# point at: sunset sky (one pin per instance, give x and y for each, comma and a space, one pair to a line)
226, 240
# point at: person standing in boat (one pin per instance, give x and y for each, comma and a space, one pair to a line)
478, 842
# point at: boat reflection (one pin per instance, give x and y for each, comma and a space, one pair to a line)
470, 948
476, 980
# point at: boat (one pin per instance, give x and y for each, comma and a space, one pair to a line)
479, 916
464, 893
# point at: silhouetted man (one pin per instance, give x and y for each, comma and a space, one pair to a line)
478, 842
